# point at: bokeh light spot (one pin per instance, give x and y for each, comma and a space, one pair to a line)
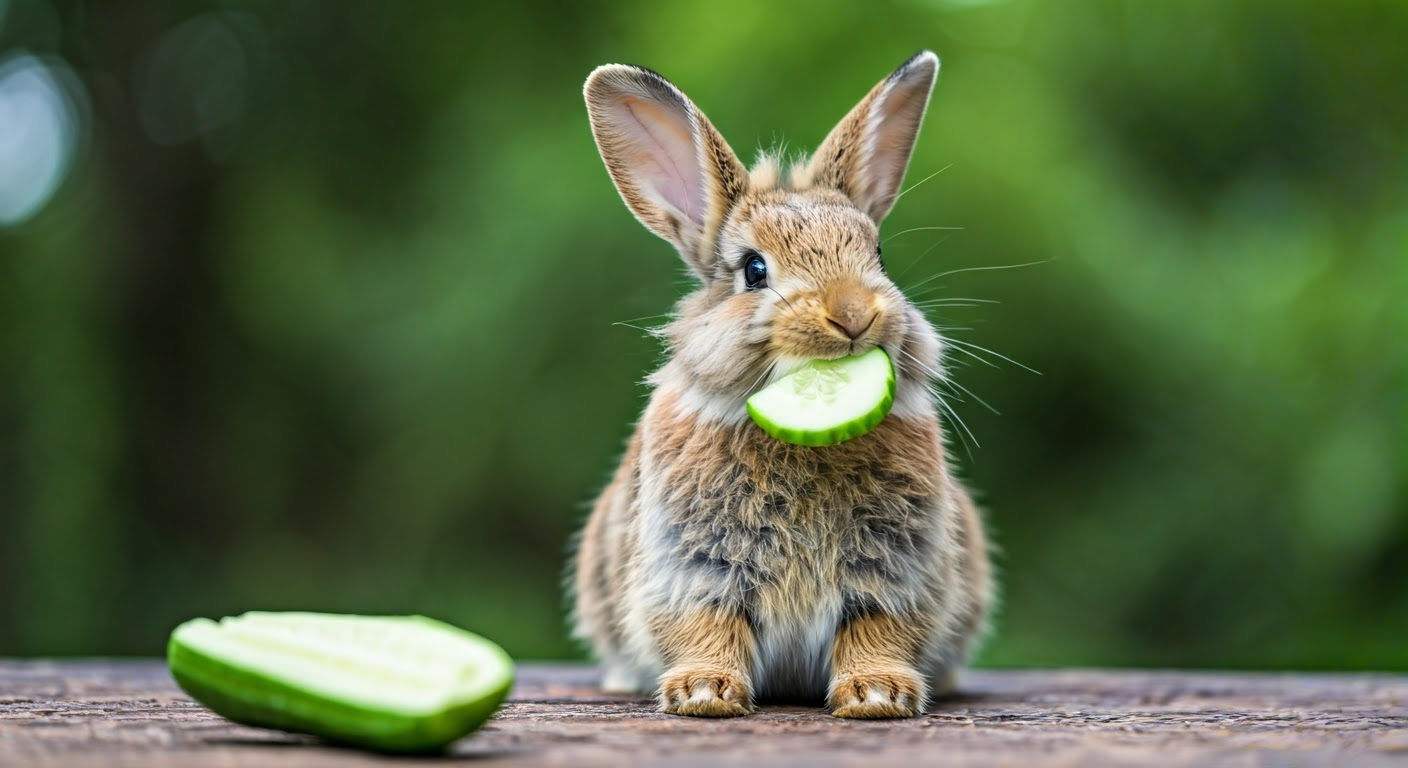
39, 127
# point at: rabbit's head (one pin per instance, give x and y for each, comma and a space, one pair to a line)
789, 260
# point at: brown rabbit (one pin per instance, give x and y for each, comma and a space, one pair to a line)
720, 565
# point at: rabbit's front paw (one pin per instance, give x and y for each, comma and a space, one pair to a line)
877, 695
703, 692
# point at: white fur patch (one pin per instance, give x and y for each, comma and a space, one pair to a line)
715, 409
912, 402
794, 652
702, 694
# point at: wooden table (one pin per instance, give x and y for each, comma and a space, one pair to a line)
129, 713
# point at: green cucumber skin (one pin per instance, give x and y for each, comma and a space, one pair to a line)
250, 698
822, 438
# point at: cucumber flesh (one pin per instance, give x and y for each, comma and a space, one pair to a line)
393, 683
827, 401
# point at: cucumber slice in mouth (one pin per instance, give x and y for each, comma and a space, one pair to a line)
826, 402
388, 683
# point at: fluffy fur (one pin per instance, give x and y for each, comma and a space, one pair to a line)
720, 566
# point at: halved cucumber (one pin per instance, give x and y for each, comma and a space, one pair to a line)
392, 683
827, 401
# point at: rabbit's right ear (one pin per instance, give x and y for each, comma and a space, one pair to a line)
673, 169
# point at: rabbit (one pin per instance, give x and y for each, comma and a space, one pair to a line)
719, 566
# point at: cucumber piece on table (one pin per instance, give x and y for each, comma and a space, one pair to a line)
391, 683
827, 401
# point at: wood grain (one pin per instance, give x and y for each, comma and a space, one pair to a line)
129, 713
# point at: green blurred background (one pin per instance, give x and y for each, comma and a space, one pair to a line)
314, 306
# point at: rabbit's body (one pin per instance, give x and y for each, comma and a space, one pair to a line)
720, 564
800, 538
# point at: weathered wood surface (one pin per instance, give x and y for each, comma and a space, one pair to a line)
129, 713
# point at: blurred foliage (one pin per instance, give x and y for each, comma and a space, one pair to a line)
326, 314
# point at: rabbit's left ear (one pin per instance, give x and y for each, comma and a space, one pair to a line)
865, 155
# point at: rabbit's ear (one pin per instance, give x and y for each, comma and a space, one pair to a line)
673, 169
865, 155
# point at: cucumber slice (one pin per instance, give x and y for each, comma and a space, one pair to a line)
390, 683
827, 401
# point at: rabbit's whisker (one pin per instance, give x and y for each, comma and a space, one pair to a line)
975, 269
926, 252
917, 229
933, 374
939, 398
967, 301
979, 358
994, 354
646, 317
762, 376
986, 269
931, 248
651, 332
954, 383
921, 181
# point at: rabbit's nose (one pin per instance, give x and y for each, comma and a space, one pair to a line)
850, 310
854, 325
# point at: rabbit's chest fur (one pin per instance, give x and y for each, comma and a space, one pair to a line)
795, 537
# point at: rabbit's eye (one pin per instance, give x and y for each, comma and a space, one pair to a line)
755, 271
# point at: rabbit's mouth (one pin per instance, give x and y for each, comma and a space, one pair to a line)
786, 364
814, 329
831, 336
